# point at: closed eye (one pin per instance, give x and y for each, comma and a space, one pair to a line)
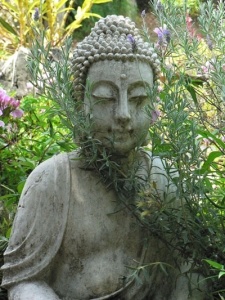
99, 99
138, 99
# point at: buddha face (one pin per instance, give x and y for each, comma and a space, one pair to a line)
116, 104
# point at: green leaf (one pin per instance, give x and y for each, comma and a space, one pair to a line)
60, 4
221, 273
214, 264
20, 186
163, 269
191, 90
209, 135
5, 197
87, 15
101, 1
212, 156
8, 233
8, 27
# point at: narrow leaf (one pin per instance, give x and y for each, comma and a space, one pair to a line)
59, 4
191, 90
212, 156
222, 273
209, 135
101, 1
87, 15
8, 27
214, 264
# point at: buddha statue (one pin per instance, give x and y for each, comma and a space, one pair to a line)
74, 236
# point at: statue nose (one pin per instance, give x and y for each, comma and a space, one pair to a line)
122, 111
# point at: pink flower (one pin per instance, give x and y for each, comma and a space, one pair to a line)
17, 113
190, 28
206, 142
14, 103
159, 89
207, 68
9, 103
154, 115
4, 99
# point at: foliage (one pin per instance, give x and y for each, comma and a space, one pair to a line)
190, 132
20, 17
192, 5
218, 267
188, 135
54, 78
25, 143
118, 7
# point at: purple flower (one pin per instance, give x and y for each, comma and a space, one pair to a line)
164, 35
4, 99
2, 124
17, 113
131, 39
159, 6
158, 31
143, 13
36, 14
167, 35
7, 102
14, 103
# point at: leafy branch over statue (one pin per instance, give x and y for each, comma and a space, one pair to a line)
88, 233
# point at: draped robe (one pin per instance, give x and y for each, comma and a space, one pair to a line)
45, 225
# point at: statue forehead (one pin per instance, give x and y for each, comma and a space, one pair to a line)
115, 71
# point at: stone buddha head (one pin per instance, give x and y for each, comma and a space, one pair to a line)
114, 68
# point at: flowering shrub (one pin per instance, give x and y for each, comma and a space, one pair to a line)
8, 107
189, 134
18, 19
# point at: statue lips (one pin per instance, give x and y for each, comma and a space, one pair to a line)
121, 133
125, 130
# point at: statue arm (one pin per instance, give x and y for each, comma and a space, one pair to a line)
35, 290
39, 225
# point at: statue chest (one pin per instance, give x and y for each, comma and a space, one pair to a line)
99, 244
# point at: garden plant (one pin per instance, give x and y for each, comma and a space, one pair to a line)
19, 17
187, 132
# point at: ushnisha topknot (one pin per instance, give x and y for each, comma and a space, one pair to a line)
113, 37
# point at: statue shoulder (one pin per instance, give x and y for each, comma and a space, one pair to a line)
161, 164
40, 220
50, 165
45, 175
45, 180
156, 164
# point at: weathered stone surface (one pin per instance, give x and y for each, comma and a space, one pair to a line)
72, 237
14, 74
